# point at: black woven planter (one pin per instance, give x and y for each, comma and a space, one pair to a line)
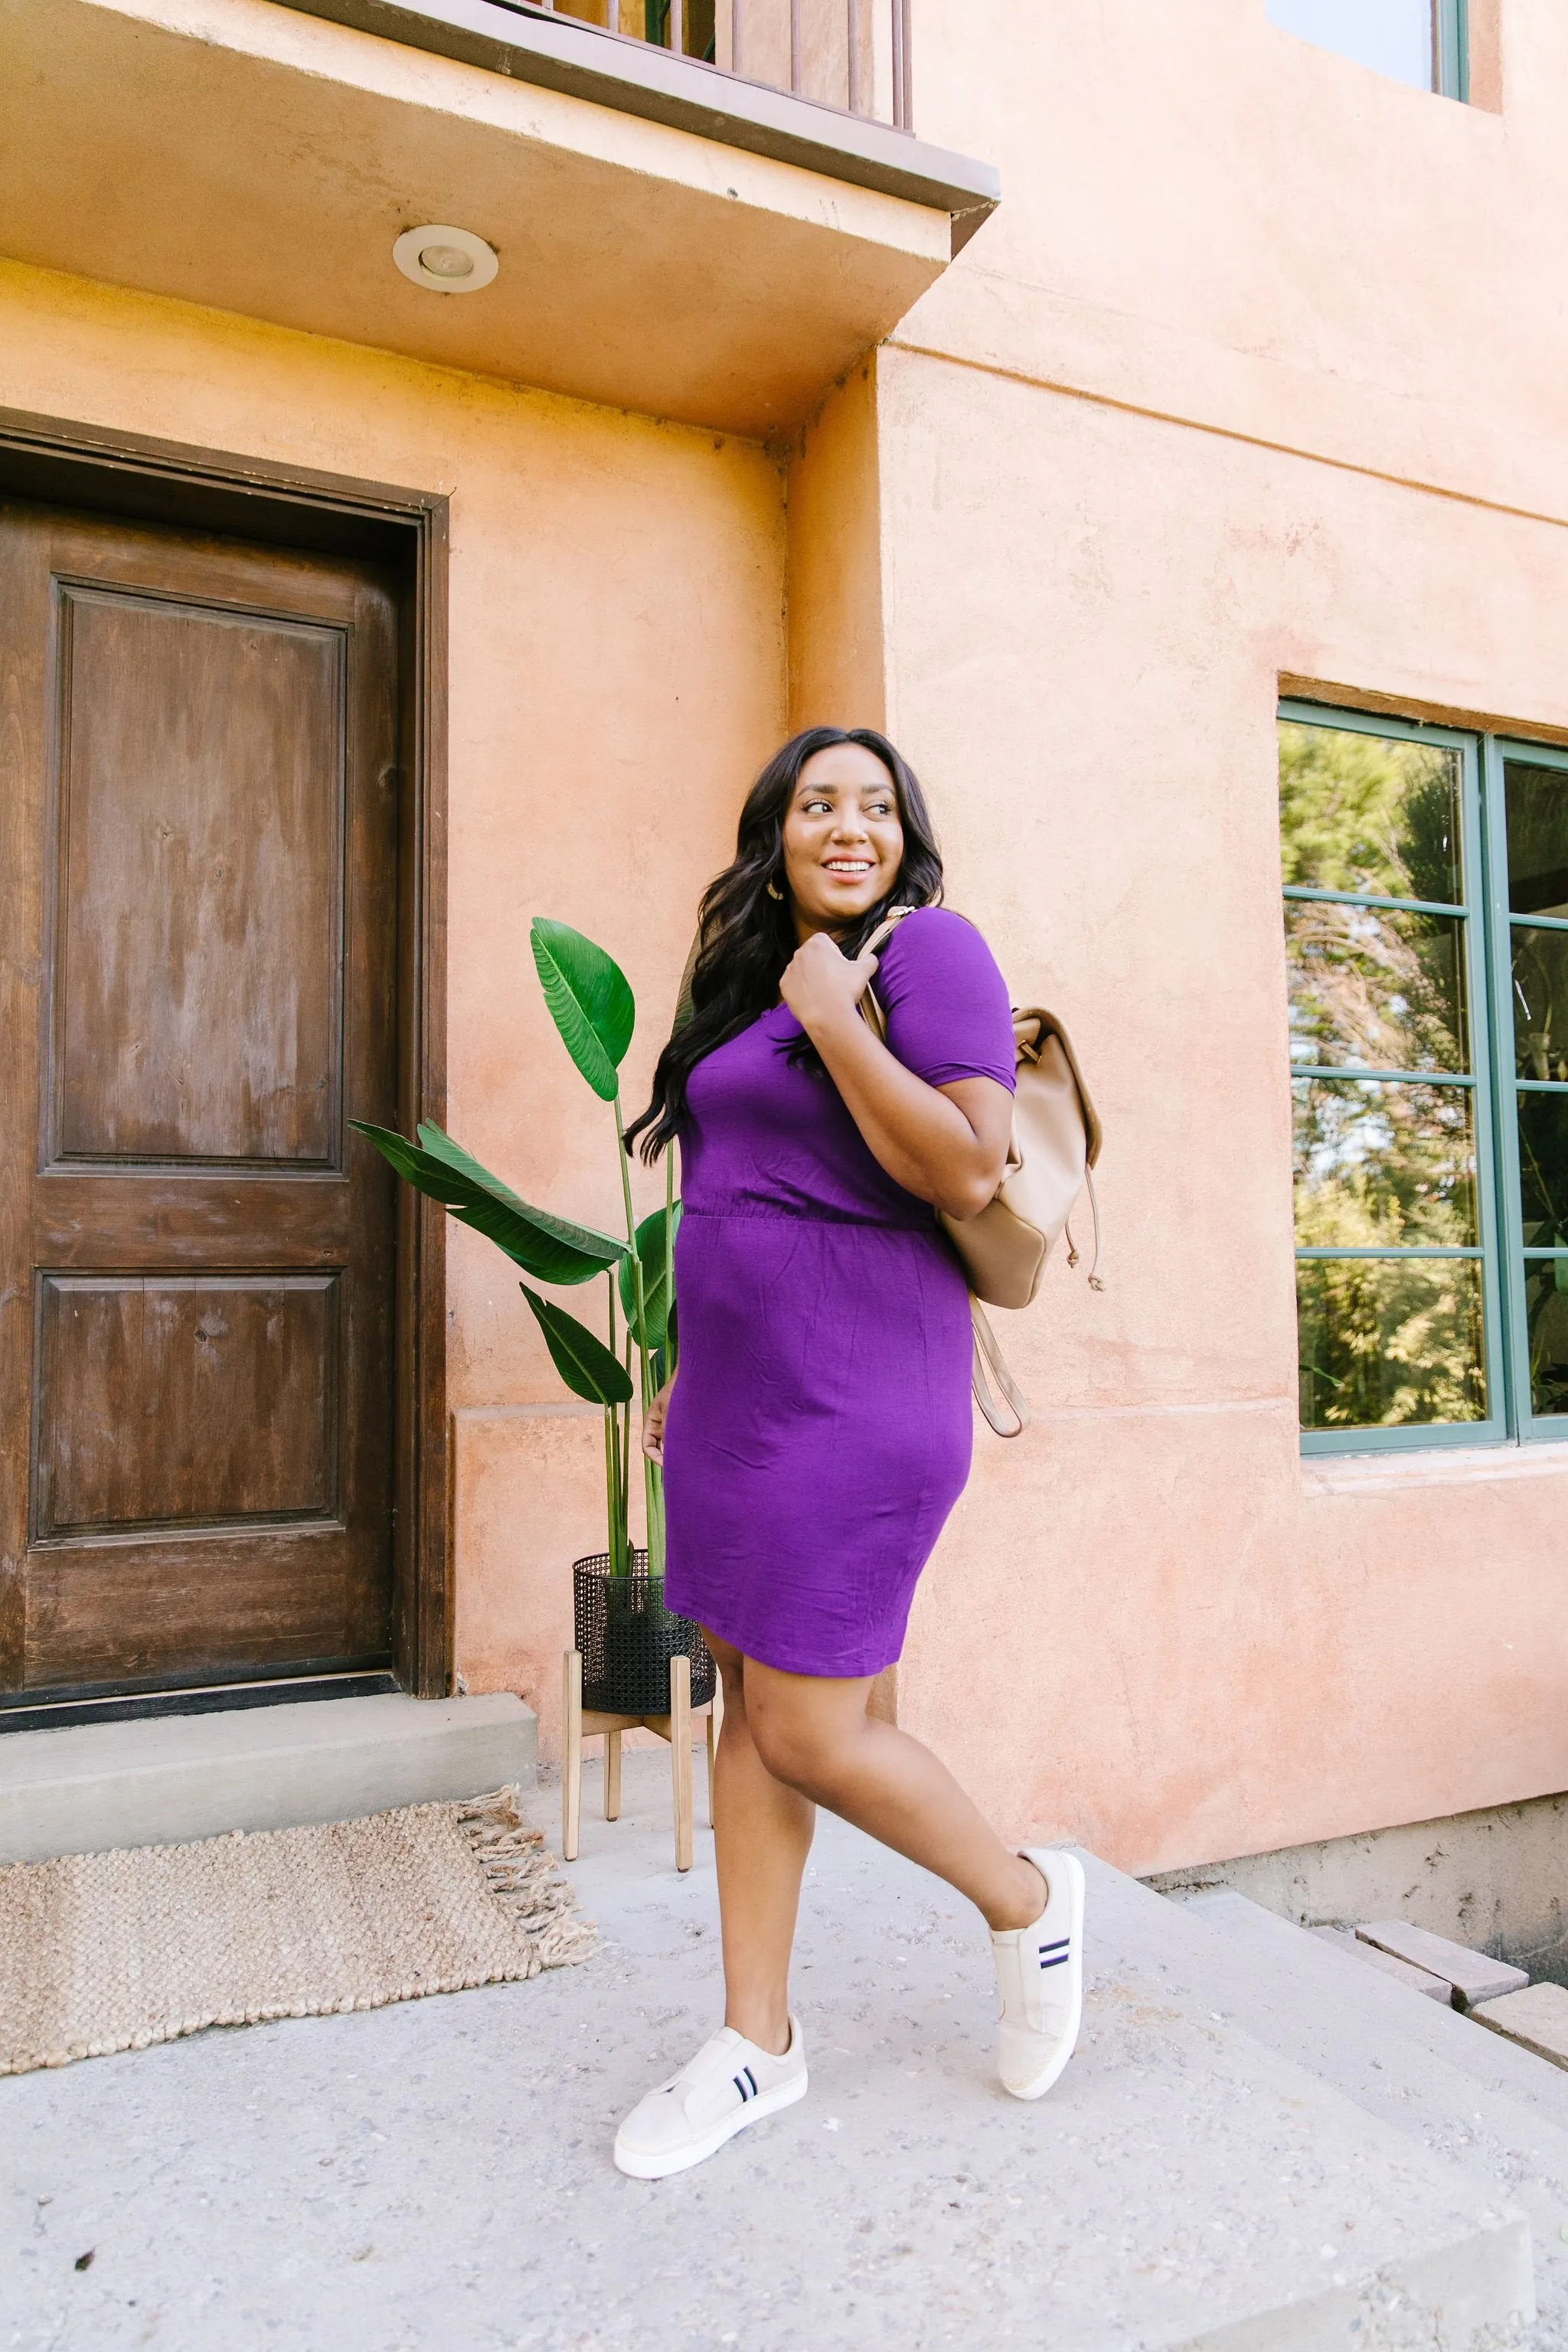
627, 1638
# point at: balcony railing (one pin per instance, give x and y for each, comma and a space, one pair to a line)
850, 54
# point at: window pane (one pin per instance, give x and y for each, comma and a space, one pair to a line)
1393, 35
1380, 1166
1541, 1004
1371, 986
1385, 1342
1543, 1169
1537, 839
1546, 1316
1370, 814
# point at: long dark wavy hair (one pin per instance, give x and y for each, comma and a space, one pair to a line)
748, 936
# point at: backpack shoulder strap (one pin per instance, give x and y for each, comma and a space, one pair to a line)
885, 929
990, 1364
871, 1010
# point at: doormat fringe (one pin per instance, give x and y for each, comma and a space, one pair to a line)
524, 1879
105, 1952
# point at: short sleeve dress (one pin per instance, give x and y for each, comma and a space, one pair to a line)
819, 1431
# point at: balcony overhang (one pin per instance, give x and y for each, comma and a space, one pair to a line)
671, 239
532, 44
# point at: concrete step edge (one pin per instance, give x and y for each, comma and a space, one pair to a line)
1476, 2268
178, 1779
1429, 2034
1475, 2102
1466, 2284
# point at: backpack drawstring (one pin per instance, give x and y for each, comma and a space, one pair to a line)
1094, 1281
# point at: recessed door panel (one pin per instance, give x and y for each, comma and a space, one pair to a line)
198, 984
176, 1401
196, 964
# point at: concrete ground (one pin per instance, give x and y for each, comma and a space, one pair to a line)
439, 2174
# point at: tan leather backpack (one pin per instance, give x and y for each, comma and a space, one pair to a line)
1051, 1154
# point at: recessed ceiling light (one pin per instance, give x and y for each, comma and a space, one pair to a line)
448, 261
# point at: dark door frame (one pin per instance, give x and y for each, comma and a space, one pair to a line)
88, 467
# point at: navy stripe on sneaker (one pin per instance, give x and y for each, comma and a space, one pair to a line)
1057, 1961
740, 2086
1060, 1946
750, 2078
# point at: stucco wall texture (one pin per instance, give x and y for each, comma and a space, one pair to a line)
1251, 379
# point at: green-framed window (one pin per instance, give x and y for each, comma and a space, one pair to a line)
1426, 880
1423, 42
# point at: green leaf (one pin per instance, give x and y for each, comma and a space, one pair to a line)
589, 999
651, 1257
584, 1362
548, 1247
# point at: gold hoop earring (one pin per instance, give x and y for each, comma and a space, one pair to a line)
775, 892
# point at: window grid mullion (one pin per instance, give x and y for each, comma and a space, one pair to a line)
1303, 890
1525, 1422
1321, 1253
1353, 1073
1450, 28
1485, 1050
1503, 1089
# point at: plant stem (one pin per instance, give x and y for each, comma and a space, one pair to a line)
653, 1486
632, 1238
614, 1466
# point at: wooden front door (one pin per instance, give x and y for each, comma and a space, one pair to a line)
198, 976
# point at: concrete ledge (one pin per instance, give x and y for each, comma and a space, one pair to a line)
176, 1778
507, 36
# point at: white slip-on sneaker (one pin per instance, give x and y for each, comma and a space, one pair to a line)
1039, 1979
729, 2084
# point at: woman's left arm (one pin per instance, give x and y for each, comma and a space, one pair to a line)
947, 1145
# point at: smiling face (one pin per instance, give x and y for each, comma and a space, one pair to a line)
843, 838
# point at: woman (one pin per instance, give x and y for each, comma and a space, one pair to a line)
818, 1431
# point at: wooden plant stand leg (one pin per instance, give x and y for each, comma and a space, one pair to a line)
715, 1724
680, 1757
612, 1776
571, 1755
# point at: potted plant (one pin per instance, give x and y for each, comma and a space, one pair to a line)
625, 1634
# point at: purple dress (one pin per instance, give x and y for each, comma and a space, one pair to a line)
819, 1431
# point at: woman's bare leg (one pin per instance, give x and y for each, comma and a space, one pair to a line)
762, 1835
815, 1736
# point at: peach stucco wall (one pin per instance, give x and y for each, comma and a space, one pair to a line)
616, 667
1252, 378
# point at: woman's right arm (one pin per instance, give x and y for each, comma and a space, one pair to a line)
653, 1423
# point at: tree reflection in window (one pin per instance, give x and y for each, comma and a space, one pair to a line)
1382, 1164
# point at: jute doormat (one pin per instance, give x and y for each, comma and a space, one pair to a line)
101, 1952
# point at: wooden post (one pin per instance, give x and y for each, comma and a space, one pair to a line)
571, 1755
680, 1757
715, 1724
612, 1776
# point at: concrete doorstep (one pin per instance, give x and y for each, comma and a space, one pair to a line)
1211, 2170
169, 1779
